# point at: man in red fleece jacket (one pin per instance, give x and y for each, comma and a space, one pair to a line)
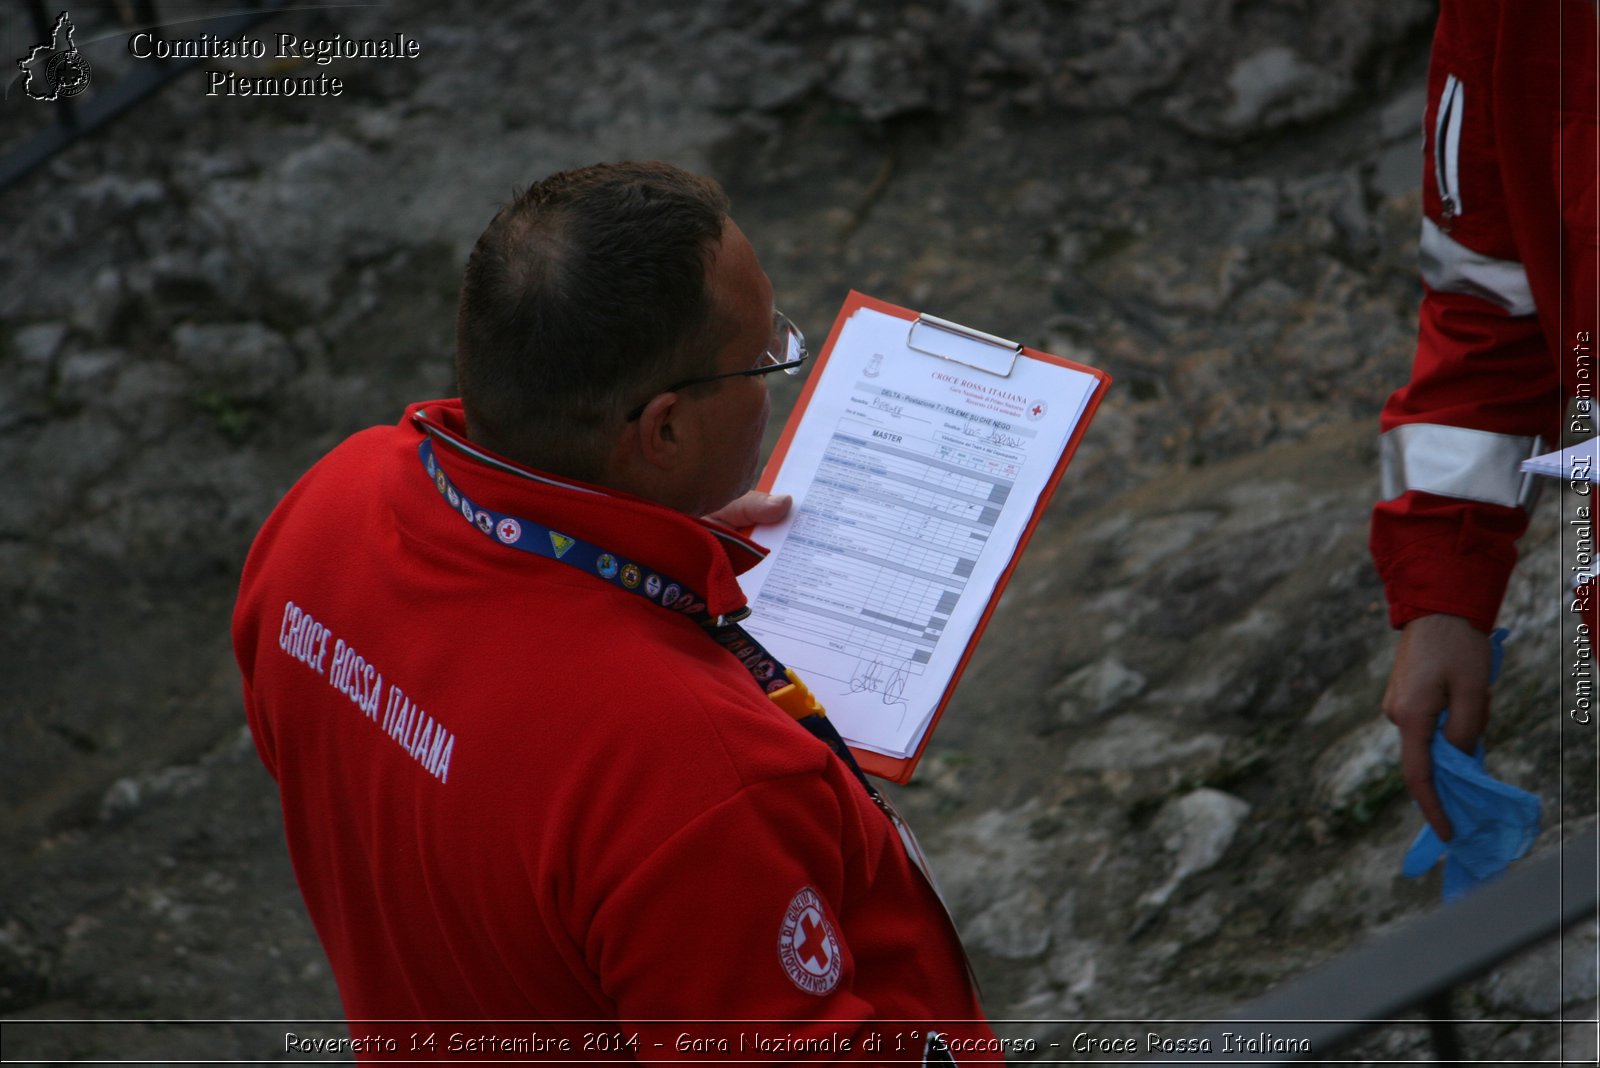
523, 777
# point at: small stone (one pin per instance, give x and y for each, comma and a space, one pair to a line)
38, 343
1196, 829
127, 795
1398, 170
121, 799
1329, 706
1357, 764
1131, 742
84, 376
1074, 966
878, 77
377, 126
245, 361
94, 312
1402, 117
139, 386
1160, 538
1269, 77
1096, 689
1556, 975
1015, 928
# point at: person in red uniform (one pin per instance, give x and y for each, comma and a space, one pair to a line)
1506, 341
523, 775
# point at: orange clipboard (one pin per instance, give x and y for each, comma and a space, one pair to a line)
900, 769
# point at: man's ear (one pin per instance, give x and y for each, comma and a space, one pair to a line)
657, 434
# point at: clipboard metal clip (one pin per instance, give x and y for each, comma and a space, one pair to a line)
934, 336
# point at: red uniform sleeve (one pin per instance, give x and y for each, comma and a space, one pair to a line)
1479, 369
1482, 361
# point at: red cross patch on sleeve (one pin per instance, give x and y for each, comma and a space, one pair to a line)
808, 948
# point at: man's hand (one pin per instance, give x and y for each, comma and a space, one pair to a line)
754, 509
1442, 660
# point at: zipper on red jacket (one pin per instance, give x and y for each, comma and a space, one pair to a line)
1447, 150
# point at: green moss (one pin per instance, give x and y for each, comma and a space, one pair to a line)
233, 418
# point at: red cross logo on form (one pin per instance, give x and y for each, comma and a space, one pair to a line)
1036, 410
807, 946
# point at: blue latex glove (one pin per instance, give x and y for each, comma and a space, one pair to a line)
1493, 823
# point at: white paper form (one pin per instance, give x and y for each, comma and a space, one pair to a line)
1579, 463
914, 478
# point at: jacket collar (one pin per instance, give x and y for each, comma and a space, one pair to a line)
704, 554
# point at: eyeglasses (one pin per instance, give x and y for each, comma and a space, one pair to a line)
786, 352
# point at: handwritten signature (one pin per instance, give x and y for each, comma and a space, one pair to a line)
875, 677
992, 436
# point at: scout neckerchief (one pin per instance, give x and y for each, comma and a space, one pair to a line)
526, 535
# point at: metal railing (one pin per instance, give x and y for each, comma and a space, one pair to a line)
1417, 966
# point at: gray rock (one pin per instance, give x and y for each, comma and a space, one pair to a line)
763, 77
1195, 830
1332, 210
128, 795
288, 248
1401, 118
93, 311
1364, 882
150, 399
1398, 170
1074, 965
881, 76
1221, 673
378, 126
1340, 328
86, 376
1273, 78
982, 859
1358, 764
1095, 689
247, 361
118, 193
196, 283
75, 451
1161, 538
1200, 284
1138, 741
1560, 974
25, 387
1333, 704
142, 386
1016, 927
1121, 51
37, 343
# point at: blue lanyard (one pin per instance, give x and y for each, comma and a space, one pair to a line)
526, 535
